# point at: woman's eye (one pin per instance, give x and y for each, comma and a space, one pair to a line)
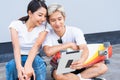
52, 20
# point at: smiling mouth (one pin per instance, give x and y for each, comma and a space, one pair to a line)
39, 22
57, 26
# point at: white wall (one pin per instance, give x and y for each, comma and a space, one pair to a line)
10, 10
92, 16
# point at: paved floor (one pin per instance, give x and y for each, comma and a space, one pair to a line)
112, 74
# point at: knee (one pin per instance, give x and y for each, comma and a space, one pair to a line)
10, 66
39, 65
105, 68
58, 77
102, 68
37, 61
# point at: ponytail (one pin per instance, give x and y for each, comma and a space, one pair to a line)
25, 18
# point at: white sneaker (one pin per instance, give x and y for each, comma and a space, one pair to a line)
98, 78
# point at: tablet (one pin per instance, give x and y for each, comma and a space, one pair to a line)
66, 59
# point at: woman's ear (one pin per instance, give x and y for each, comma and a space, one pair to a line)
29, 13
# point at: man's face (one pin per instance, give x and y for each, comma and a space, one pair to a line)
57, 21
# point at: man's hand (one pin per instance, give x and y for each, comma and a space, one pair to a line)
77, 64
74, 46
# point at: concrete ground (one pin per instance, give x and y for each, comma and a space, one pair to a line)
112, 74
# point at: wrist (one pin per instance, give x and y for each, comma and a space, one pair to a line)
28, 63
19, 67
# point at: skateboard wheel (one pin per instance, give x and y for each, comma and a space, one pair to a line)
107, 61
106, 44
102, 52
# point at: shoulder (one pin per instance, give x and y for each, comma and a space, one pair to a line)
42, 27
74, 29
51, 32
15, 24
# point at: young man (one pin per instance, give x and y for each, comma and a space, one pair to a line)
62, 37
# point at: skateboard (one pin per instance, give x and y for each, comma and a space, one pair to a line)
97, 52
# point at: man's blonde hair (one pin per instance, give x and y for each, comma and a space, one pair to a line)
55, 7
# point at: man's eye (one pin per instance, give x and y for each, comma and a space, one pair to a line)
40, 15
60, 19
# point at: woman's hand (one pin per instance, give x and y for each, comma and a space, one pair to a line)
21, 73
29, 72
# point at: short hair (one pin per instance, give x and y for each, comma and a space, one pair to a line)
55, 7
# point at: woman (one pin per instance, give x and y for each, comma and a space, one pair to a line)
27, 35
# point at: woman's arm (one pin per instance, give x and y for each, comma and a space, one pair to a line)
16, 49
33, 52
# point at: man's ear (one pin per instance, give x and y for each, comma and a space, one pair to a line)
64, 18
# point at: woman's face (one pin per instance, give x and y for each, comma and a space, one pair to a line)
57, 21
38, 17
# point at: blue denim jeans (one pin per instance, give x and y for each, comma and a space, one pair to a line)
38, 65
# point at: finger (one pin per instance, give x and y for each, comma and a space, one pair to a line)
34, 75
77, 66
20, 77
75, 62
23, 72
26, 77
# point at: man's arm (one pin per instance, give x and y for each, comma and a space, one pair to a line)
51, 50
85, 52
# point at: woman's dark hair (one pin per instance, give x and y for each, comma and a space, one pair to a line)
33, 6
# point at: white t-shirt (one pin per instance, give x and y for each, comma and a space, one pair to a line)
26, 39
72, 34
